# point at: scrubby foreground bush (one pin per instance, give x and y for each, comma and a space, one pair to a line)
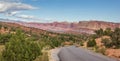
19, 48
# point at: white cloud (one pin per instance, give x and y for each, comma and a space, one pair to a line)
31, 18
11, 0
12, 7
27, 17
12, 13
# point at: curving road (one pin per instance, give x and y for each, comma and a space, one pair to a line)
73, 53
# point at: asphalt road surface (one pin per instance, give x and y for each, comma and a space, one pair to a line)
73, 53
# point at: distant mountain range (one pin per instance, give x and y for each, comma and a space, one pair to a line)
66, 27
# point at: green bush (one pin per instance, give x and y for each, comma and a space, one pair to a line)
91, 43
107, 42
1, 57
54, 42
114, 42
99, 32
108, 31
20, 49
115, 37
81, 43
102, 50
4, 38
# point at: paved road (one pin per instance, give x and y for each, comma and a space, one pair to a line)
73, 53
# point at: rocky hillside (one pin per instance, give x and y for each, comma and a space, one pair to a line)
95, 25
65, 27
14, 26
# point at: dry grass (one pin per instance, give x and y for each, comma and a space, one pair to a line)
43, 57
2, 47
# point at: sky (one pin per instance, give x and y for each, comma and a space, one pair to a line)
60, 10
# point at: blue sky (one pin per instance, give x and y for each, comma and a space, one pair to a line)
67, 10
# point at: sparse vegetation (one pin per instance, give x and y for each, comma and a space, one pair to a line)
43, 57
107, 42
20, 49
91, 43
115, 37
101, 50
4, 38
114, 41
106, 39
99, 32
28, 43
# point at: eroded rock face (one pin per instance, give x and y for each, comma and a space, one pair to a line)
67, 27
81, 27
98, 24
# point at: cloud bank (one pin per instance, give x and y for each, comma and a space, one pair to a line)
30, 17
12, 7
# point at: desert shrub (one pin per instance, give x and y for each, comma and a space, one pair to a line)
96, 48
43, 57
107, 42
114, 42
102, 50
99, 32
54, 42
1, 57
4, 38
81, 43
108, 31
115, 37
91, 43
20, 49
